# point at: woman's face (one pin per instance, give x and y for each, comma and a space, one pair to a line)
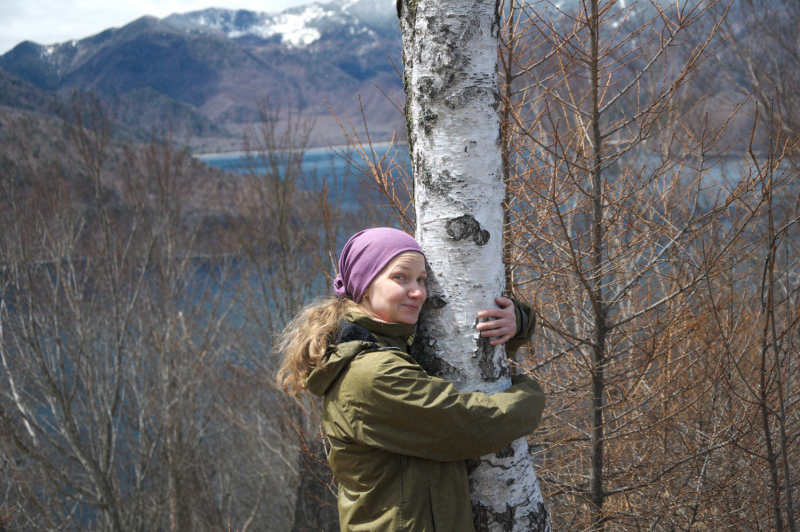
398, 292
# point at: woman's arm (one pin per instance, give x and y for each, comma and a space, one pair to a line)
392, 404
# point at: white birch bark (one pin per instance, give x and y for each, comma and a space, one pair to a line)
452, 96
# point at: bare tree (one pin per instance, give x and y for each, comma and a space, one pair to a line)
112, 335
289, 232
760, 350
621, 217
759, 54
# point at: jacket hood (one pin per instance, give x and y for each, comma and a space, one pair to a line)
333, 363
359, 333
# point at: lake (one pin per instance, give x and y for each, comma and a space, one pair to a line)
341, 167
325, 160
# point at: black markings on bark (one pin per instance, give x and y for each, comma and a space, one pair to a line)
430, 87
506, 451
485, 355
423, 349
470, 93
453, 63
491, 369
407, 13
407, 110
496, 22
480, 237
424, 352
428, 120
436, 302
410, 9
483, 516
426, 86
467, 226
440, 184
472, 29
537, 520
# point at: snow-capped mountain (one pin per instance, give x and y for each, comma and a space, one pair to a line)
295, 28
220, 62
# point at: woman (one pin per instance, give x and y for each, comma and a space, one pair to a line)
399, 437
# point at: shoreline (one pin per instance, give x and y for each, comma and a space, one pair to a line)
241, 153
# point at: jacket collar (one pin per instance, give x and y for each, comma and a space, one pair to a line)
388, 330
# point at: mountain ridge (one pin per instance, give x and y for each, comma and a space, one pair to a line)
222, 62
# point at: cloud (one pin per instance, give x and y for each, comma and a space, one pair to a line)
55, 21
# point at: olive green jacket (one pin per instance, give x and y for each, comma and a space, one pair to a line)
399, 437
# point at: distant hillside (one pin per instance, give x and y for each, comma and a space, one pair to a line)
20, 94
211, 67
136, 113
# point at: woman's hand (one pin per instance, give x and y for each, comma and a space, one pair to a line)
504, 326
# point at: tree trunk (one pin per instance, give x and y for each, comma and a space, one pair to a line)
452, 97
596, 436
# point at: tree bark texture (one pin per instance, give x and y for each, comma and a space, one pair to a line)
452, 97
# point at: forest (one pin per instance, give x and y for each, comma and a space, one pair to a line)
650, 156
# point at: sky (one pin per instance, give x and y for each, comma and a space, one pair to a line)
55, 21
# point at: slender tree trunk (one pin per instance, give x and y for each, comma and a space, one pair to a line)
781, 416
596, 491
508, 74
452, 97
177, 517
768, 309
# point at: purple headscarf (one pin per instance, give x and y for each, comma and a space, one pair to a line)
365, 255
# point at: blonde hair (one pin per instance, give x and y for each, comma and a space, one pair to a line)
305, 339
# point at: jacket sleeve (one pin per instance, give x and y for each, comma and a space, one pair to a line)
392, 404
526, 323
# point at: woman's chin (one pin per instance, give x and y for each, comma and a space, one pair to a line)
409, 318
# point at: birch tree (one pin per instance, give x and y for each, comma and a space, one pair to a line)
452, 98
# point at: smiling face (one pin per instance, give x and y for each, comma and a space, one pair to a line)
396, 295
